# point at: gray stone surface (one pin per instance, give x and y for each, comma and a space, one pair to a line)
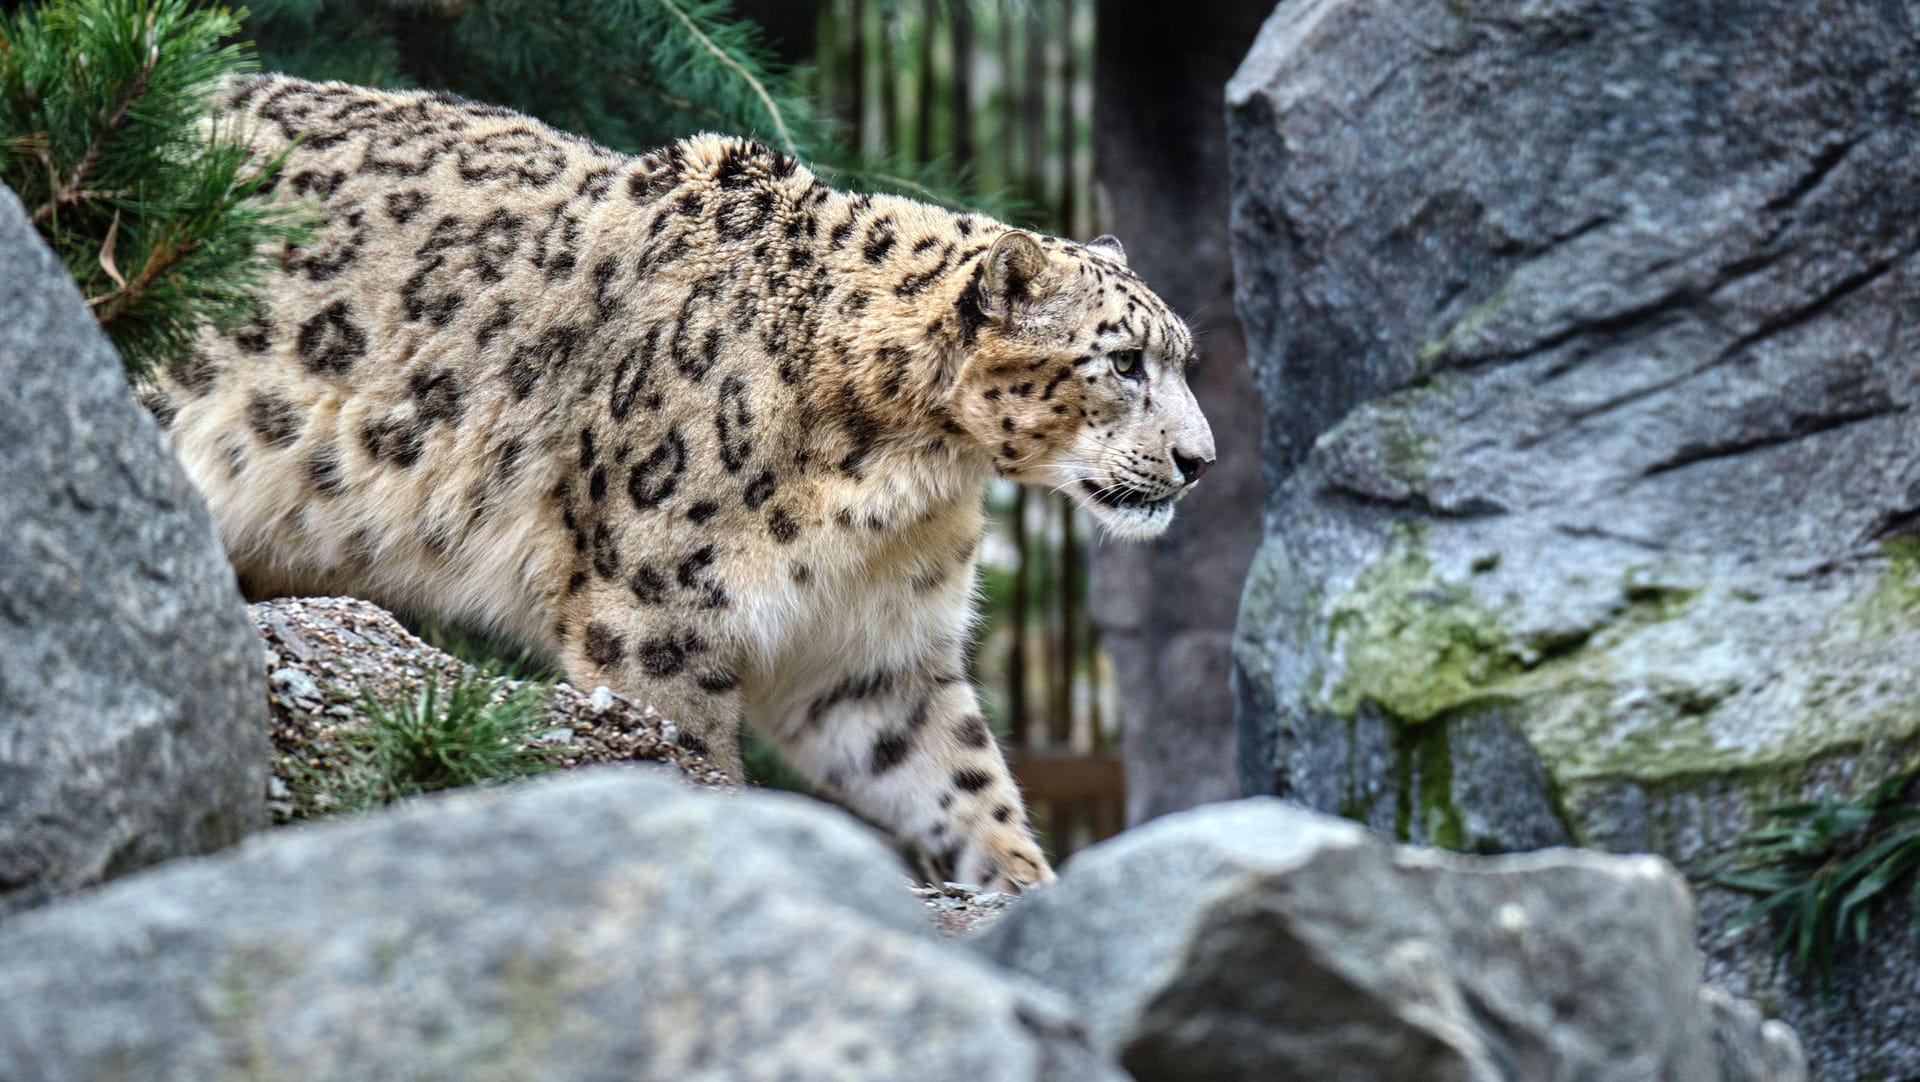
1751, 1048
1166, 609
1257, 940
600, 925
132, 709
1586, 336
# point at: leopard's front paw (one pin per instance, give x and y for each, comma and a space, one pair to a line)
1006, 858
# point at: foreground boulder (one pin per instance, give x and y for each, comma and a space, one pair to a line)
131, 700
604, 925
1256, 940
1586, 333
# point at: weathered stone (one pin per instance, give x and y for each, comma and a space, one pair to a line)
602, 925
132, 709
1585, 334
1751, 1048
1257, 940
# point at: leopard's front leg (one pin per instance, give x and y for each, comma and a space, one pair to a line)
910, 750
677, 668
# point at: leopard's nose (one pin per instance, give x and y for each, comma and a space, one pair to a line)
1190, 467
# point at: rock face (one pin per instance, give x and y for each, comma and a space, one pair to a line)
1585, 331
132, 710
603, 925
1256, 940
1166, 609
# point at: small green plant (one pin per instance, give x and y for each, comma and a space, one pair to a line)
104, 136
1819, 873
469, 731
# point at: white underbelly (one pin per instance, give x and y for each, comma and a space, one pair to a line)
817, 636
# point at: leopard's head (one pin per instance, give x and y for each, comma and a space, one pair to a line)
1078, 381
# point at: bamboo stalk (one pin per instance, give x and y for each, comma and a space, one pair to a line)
1069, 128
858, 80
961, 13
1033, 112
889, 83
1060, 721
1009, 131
929, 77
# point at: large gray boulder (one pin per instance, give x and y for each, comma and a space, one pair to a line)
132, 707
602, 925
1256, 940
1587, 336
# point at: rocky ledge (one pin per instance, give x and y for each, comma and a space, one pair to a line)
610, 923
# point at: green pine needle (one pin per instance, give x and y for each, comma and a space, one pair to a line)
630, 74
103, 119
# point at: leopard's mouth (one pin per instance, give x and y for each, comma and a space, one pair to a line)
1126, 497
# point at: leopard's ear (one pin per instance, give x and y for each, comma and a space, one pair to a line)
1016, 273
1109, 244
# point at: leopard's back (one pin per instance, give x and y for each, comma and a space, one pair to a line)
382, 428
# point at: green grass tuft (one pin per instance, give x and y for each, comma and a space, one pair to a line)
470, 731
1822, 872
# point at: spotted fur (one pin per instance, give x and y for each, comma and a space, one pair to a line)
696, 425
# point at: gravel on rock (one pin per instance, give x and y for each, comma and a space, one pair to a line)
324, 656
958, 909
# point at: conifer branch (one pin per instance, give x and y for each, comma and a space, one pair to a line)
631, 74
725, 58
161, 258
69, 191
103, 120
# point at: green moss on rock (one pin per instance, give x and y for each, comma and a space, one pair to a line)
1464, 328
1424, 760
1412, 644
1670, 695
1894, 603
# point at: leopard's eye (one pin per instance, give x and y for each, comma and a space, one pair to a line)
1128, 363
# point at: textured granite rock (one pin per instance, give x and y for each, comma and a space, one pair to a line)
1258, 940
132, 706
1585, 335
602, 925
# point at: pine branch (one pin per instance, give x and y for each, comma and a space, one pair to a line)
69, 191
631, 74
759, 88
104, 108
161, 258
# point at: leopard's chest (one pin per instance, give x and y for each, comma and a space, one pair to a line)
897, 608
